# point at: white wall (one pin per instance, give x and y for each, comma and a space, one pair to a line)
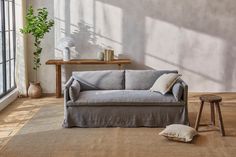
21, 49
195, 37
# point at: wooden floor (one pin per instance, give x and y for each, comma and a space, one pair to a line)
16, 116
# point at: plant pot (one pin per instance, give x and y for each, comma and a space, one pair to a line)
34, 90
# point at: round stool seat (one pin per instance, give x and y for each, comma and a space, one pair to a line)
210, 98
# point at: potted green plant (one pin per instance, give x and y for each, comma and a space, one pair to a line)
37, 25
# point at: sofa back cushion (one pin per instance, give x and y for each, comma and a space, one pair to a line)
143, 79
100, 80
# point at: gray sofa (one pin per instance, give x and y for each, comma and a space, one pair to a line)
121, 98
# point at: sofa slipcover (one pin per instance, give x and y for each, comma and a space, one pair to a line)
105, 100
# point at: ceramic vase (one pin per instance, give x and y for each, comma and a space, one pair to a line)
35, 90
66, 54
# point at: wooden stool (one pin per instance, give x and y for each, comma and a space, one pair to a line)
214, 101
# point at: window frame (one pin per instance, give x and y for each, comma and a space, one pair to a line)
12, 39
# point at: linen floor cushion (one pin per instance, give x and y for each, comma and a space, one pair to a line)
177, 91
74, 90
164, 83
179, 132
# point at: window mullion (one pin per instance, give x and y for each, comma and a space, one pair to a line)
3, 47
14, 36
9, 44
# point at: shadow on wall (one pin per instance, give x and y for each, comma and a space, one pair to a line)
84, 40
196, 38
201, 34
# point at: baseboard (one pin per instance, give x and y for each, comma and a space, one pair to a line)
8, 99
48, 94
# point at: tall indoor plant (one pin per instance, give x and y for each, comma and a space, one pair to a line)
37, 25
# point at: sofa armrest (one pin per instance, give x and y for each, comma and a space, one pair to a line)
66, 96
69, 82
185, 90
185, 98
185, 93
66, 90
180, 86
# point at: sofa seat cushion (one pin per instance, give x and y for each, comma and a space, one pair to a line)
122, 97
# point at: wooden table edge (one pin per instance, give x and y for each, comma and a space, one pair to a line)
87, 61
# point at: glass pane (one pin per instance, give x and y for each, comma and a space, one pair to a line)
1, 79
6, 15
12, 73
1, 34
0, 47
11, 15
0, 16
8, 75
12, 44
7, 45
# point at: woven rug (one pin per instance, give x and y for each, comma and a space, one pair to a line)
43, 136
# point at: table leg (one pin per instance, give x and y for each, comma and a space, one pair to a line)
199, 116
220, 119
58, 81
212, 114
119, 66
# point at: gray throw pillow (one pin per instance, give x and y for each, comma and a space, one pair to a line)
74, 90
177, 91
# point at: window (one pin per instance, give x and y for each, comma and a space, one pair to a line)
7, 47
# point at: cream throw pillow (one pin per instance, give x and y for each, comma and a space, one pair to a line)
164, 83
179, 132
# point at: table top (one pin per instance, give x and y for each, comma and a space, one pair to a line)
88, 61
210, 98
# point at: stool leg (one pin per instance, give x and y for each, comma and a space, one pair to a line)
199, 116
220, 119
212, 114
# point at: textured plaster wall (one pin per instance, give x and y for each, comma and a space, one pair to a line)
195, 37
21, 63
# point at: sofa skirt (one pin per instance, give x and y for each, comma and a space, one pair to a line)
125, 116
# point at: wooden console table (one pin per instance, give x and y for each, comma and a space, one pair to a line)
59, 62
